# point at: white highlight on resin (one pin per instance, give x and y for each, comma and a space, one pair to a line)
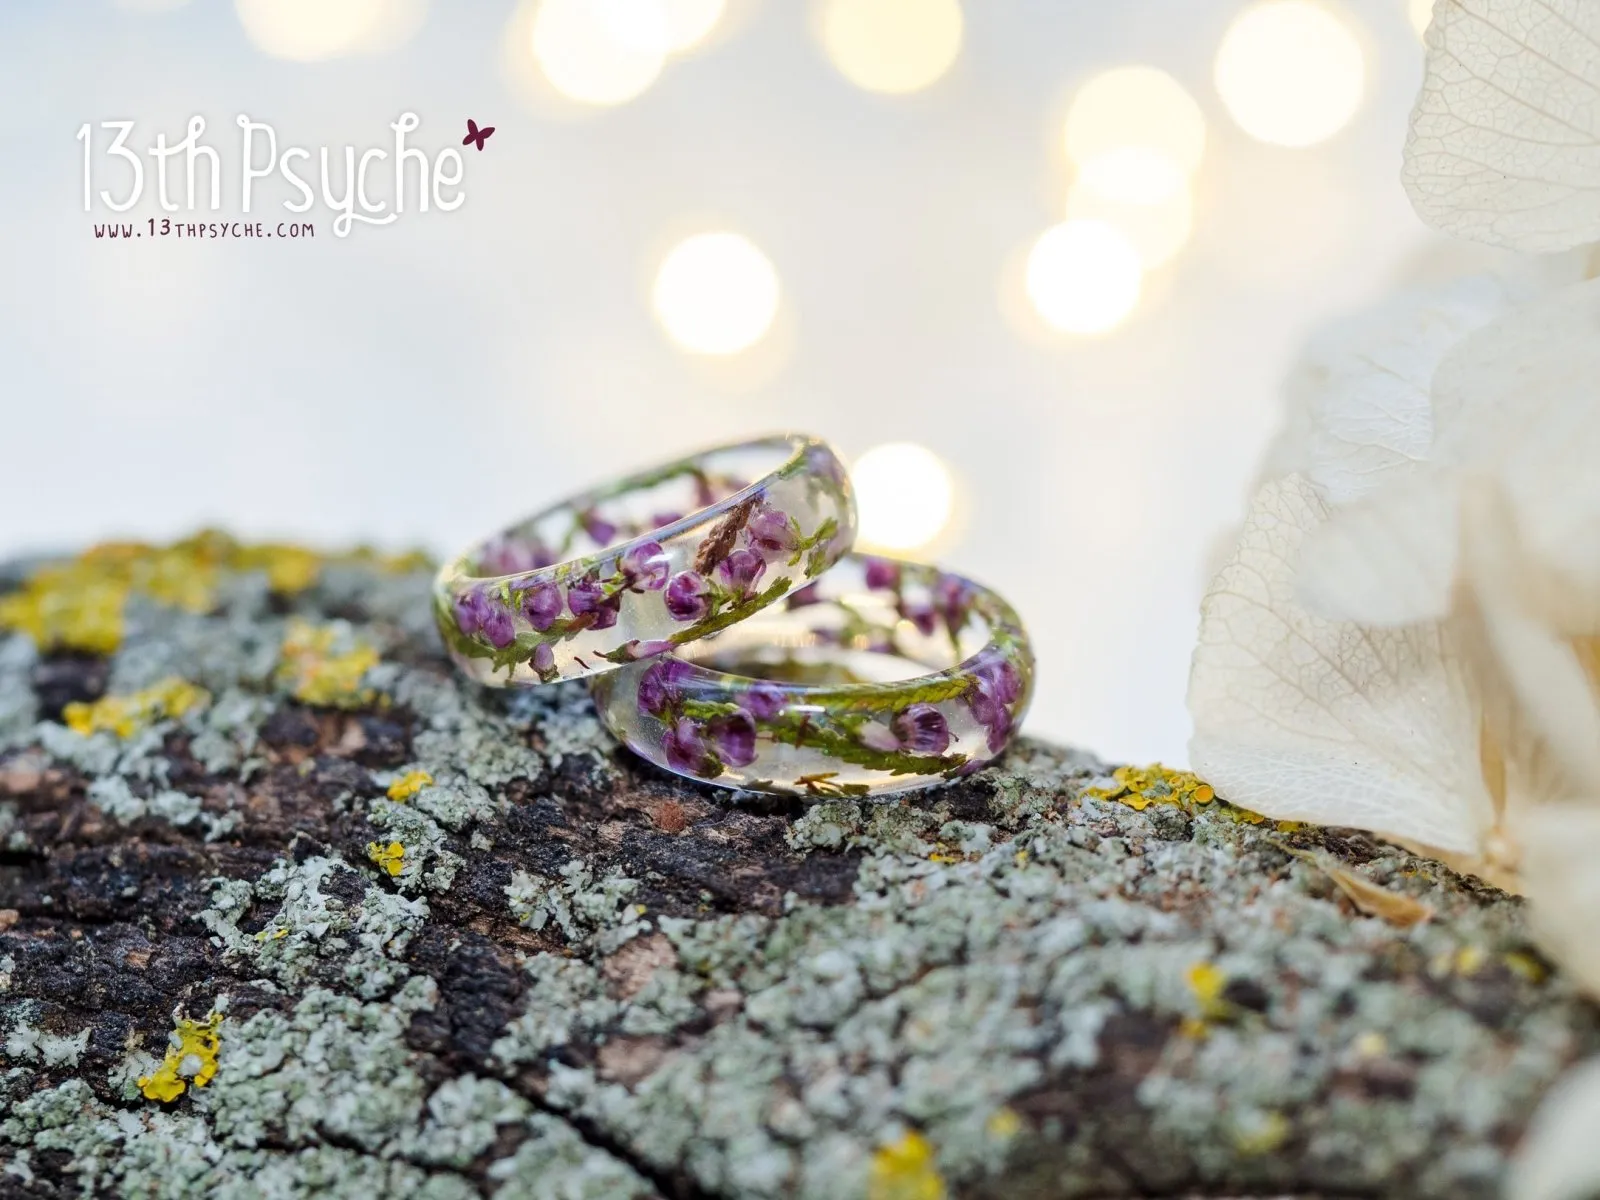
1290, 72
1083, 276
716, 293
892, 46
905, 497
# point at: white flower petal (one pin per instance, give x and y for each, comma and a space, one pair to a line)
1518, 403
1559, 1158
1560, 846
1389, 559
1357, 400
1303, 718
1505, 138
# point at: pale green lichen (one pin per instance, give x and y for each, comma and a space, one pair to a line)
582, 906
309, 932
26, 1044
113, 795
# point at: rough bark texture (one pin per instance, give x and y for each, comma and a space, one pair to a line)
555, 973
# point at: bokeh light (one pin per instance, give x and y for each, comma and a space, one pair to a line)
1290, 72
309, 30
905, 497
1084, 276
600, 52
716, 293
892, 46
1157, 222
688, 22
1137, 131
1421, 14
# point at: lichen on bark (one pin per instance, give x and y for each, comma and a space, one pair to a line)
588, 978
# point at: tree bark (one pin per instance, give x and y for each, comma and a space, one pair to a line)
556, 972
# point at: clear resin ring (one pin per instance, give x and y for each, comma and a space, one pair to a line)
645, 564
881, 676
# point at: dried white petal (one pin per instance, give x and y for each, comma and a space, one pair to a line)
1389, 559
1560, 844
1559, 1158
1504, 145
1357, 401
1303, 718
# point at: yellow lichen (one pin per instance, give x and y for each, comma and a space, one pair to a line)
1263, 1135
408, 785
191, 1059
905, 1170
126, 715
1525, 965
1371, 1044
1207, 981
1139, 787
78, 604
392, 858
323, 665
1003, 1124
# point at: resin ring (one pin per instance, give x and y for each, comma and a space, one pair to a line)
645, 564
830, 693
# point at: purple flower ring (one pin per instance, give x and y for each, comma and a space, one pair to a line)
616, 576
882, 676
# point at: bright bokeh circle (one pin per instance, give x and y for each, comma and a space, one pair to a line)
716, 293
1135, 109
1157, 228
600, 52
1290, 72
309, 30
892, 46
1084, 276
905, 497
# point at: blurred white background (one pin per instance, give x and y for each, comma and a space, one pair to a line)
1082, 336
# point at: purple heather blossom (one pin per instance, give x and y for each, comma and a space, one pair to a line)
921, 729
771, 534
645, 567
735, 739
662, 519
687, 596
514, 555
996, 685
602, 531
687, 752
882, 575
804, 596
921, 614
763, 701
543, 661
916, 729
740, 571
588, 598
496, 625
823, 463
541, 603
659, 686
952, 596
471, 607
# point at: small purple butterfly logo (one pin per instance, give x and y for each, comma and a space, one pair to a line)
475, 136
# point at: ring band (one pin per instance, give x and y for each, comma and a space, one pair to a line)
621, 573
813, 696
